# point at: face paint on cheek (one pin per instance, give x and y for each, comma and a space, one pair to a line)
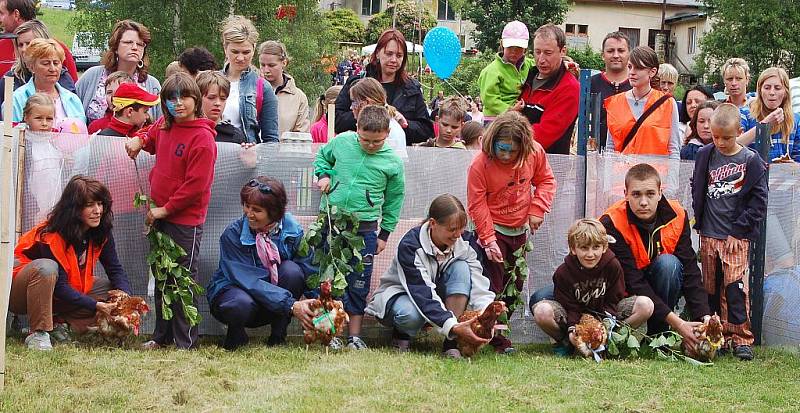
171, 108
503, 150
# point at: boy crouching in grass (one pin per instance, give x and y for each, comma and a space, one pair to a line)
589, 281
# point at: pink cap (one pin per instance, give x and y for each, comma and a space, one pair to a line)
515, 34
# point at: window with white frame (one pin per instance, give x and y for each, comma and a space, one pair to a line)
692, 40
445, 11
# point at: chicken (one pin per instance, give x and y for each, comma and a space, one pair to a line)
329, 317
711, 339
483, 325
124, 320
590, 335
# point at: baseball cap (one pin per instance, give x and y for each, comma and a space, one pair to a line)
129, 93
515, 34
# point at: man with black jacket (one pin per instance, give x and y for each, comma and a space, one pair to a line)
654, 247
614, 79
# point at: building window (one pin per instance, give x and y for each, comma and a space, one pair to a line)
370, 7
692, 40
445, 11
577, 29
633, 35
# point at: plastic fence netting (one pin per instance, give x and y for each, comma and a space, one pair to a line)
51, 159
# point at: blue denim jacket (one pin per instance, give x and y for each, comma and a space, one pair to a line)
777, 147
257, 129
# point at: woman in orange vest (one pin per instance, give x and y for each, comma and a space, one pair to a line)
658, 131
54, 264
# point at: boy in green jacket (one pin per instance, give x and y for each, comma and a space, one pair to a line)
370, 183
501, 81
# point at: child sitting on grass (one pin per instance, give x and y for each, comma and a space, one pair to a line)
369, 183
589, 281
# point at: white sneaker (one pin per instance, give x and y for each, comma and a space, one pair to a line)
356, 343
336, 344
39, 340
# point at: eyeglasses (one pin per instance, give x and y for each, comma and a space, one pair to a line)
378, 142
130, 43
356, 104
263, 188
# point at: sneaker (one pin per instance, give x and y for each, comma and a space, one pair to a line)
400, 345
39, 340
60, 333
744, 353
356, 343
151, 345
453, 353
502, 345
336, 344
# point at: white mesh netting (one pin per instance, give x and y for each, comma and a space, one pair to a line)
51, 159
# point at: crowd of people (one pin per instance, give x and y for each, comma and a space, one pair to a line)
458, 258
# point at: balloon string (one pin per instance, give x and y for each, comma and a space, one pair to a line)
454, 88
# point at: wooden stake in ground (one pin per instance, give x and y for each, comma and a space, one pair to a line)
7, 213
331, 119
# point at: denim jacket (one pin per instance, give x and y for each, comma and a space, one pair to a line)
257, 129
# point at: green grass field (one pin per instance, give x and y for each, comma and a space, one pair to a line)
58, 23
75, 379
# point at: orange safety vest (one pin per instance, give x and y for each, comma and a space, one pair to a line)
64, 254
670, 232
653, 136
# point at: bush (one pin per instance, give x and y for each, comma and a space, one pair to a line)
406, 21
587, 58
344, 25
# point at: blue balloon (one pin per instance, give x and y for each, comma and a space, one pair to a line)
442, 51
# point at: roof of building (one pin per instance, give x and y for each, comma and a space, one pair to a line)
685, 17
671, 3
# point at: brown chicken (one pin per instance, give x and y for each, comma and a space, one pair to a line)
329, 317
590, 334
483, 325
711, 339
124, 320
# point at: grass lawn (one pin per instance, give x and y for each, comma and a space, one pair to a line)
58, 23
257, 378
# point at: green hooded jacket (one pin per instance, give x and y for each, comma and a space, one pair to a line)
371, 186
501, 84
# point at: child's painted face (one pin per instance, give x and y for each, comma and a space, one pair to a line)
449, 128
110, 89
704, 124
725, 138
40, 118
214, 103
181, 108
371, 142
589, 255
506, 150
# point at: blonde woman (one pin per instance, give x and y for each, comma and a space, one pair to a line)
773, 106
252, 105
292, 102
736, 76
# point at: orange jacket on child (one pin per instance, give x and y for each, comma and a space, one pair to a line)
501, 194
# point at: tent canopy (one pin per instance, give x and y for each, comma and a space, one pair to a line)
410, 46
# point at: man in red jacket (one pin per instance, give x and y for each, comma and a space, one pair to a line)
550, 95
12, 14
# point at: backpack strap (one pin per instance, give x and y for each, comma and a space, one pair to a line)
259, 95
641, 120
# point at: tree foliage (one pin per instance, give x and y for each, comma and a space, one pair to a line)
177, 24
345, 26
587, 58
464, 80
490, 16
408, 12
764, 33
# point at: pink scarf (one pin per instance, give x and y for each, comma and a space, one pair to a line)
269, 255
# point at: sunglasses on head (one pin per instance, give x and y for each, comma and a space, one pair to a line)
263, 188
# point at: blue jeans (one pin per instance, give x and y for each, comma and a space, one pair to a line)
665, 276
403, 315
545, 293
355, 295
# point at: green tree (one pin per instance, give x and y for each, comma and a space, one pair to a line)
764, 32
175, 25
345, 26
587, 58
408, 12
490, 16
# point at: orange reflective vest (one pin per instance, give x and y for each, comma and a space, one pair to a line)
81, 281
670, 232
653, 136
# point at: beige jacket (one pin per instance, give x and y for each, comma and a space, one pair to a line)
292, 108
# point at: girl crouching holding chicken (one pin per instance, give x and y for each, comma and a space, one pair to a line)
434, 278
260, 277
55, 261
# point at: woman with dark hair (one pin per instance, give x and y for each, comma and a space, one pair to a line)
127, 51
261, 276
691, 100
388, 66
55, 262
700, 130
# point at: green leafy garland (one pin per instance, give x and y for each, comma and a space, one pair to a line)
343, 243
172, 279
516, 268
627, 342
